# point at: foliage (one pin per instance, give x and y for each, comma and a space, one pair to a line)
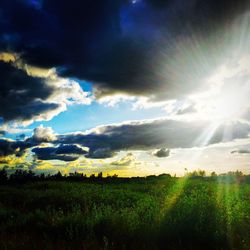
164, 212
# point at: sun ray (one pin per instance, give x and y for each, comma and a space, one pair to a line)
172, 196
228, 203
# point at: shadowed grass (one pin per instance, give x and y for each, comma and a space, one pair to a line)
168, 213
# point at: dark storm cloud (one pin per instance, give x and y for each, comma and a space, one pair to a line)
8, 147
70, 149
162, 152
100, 153
241, 151
62, 152
154, 134
22, 96
105, 141
116, 44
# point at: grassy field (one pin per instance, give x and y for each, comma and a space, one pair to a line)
162, 213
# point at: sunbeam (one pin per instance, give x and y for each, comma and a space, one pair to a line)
229, 203
172, 196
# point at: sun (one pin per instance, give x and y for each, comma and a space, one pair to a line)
227, 100
227, 106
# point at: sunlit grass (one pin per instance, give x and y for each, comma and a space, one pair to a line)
172, 195
231, 210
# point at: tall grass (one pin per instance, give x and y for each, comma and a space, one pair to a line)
168, 213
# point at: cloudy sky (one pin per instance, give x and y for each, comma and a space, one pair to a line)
129, 87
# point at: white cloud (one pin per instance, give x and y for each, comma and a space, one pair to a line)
44, 134
125, 161
112, 100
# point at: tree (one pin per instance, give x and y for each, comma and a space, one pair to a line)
3, 176
42, 176
92, 176
58, 175
100, 175
213, 174
202, 173
76, 176
22, 176
197, 174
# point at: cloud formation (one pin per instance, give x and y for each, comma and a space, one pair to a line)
105, 141
43, 134
10, 147
162, 152
124, 161
30, 94
100, 152
150, 134
140, 49
22, 96
241, 151
62, 152
160, 50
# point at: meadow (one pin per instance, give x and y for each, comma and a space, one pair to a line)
114, 213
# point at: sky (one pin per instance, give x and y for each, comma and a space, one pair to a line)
125, 87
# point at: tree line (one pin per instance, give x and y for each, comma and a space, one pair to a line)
22, 176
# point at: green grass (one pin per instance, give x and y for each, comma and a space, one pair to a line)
168, 213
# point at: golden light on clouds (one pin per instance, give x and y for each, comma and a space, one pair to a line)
8, 57
12, 160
